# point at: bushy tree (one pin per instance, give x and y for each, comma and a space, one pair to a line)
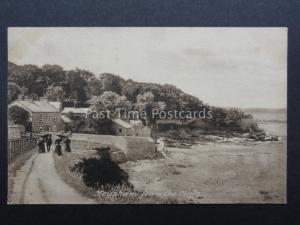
19, 116
95, 86
56, 93
110, 101
112, 83
233, 117
75, 86
218, 116
13, 90
131, 90
54, 73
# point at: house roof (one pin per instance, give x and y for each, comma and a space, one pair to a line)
136, 122
65, 119
122, 123
56, 104
75, 110
35, 106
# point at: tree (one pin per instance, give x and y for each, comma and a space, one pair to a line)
233, 117
75, 86
146, 103
28, 76
56, 93
95, 86
112, 83
189, 103
110, 101
218, 116
19, 116
54, 73
146, 97
13, 91
131, 90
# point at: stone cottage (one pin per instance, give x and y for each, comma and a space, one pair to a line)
44, 115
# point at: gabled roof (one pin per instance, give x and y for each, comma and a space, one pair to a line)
65, 119
56, 104
136, 122
75, 110
122, 123
34, 106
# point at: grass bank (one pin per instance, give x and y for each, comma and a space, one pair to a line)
108, 193
15, 166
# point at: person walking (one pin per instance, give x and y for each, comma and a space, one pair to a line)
41, 145
49, 142
58, 146
67, 145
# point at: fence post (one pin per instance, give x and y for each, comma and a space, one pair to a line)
16, 147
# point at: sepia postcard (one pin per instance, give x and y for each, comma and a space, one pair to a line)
147, 115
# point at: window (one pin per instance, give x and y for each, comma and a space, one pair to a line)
54, 128
120, 130
54, 119
41, 117
41, 129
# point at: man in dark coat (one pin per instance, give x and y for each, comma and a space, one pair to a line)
49, 143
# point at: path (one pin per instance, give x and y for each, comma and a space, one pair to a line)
41, 184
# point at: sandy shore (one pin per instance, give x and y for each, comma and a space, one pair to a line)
215, 173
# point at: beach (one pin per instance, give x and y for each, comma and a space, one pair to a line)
251, 172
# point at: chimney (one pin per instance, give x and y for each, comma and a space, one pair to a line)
44, 99
20, 97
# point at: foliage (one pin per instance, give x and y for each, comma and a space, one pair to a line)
13, 91
18, 115
111, 83
55, 93
110, 101
228, 118
109, 92
101, 172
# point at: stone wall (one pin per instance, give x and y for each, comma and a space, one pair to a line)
134, 148
15, 131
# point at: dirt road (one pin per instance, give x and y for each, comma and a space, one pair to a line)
42, 185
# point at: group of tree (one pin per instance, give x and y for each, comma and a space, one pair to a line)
81, 85
108, 92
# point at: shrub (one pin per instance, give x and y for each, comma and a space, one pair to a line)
101, 172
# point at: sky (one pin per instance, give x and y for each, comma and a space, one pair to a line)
229, 67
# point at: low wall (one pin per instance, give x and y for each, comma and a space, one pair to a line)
134, 148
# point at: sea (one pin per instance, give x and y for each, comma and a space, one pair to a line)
273, 121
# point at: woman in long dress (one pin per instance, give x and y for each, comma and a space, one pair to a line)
67, 145
58, 146
41, 145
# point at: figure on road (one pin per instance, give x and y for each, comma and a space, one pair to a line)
58, 146
41, 145
67, 145
49, 142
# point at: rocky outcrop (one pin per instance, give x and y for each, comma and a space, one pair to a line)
257, 136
